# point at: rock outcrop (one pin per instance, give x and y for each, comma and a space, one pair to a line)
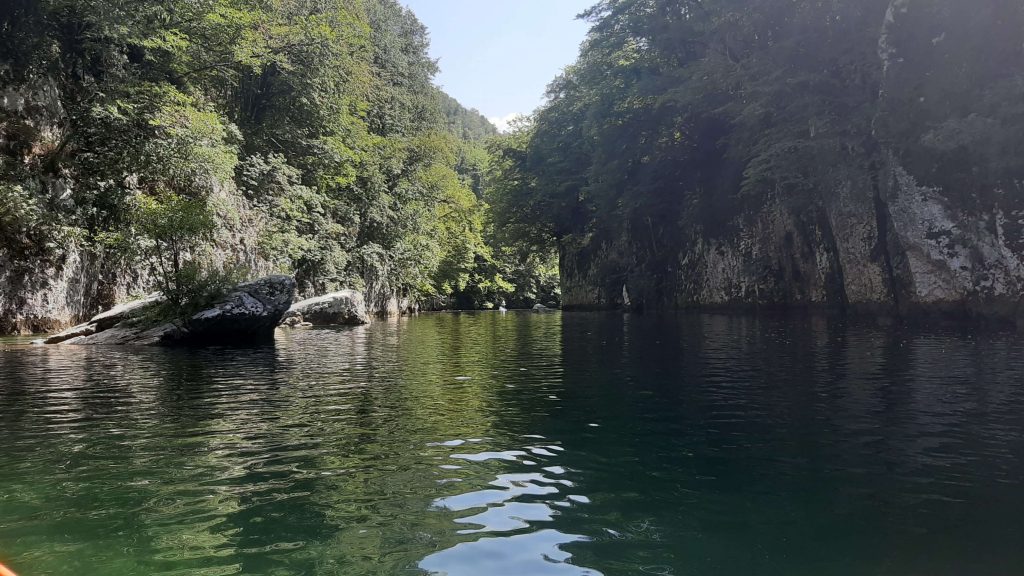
925, 217
126, 313
50, 278
248, 314
345, 307
44, 293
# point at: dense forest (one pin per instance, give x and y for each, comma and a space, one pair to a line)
182, 144
851, 153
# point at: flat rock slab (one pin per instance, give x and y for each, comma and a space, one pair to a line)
127, 334
106, 320
345, 307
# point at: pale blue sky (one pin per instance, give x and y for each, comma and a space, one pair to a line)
498, 56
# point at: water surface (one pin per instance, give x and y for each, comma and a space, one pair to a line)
521, 445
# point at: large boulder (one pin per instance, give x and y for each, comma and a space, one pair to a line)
247, 314
345, 307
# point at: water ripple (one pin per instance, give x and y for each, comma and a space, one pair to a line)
512, 501
521, 444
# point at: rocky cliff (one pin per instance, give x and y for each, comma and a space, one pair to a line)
48, 281
65, 287
905, 248
920, 219
50, 276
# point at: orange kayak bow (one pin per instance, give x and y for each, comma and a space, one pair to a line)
5, 571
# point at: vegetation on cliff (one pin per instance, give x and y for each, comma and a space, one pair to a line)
302, 136
682, 116
712, 151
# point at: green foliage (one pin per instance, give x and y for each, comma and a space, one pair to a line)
467, 124
192, 150
952, 101
526, 214
513, 277
21, 216
299, 233
521, 269
171, 231
315, 121
681, 117
30, 229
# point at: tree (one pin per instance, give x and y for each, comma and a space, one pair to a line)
310, 130
171, 231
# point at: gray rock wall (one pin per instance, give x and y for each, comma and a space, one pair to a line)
878, 238
908, 250
66, 288
48, 284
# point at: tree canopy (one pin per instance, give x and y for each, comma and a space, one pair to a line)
681, 114
310, 131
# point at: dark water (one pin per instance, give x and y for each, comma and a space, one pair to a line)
523, 445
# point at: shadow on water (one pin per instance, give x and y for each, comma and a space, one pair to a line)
471, 444
795, 445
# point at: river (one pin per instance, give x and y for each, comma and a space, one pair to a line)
522, 445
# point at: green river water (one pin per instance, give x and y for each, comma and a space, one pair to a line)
521, 445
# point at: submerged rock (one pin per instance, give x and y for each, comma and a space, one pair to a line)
247, 314
345, 307
291, 321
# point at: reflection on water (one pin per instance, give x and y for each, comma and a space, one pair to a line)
523, 502
523, 444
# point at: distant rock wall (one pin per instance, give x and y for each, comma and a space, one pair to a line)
879, 240
905, 248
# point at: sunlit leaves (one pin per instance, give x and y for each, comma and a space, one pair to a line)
310, 128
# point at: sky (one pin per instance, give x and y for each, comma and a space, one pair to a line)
498, 56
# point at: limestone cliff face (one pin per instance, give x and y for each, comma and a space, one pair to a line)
71, 283
51, 279
909, 229
902, 248
68, 286
44, 288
